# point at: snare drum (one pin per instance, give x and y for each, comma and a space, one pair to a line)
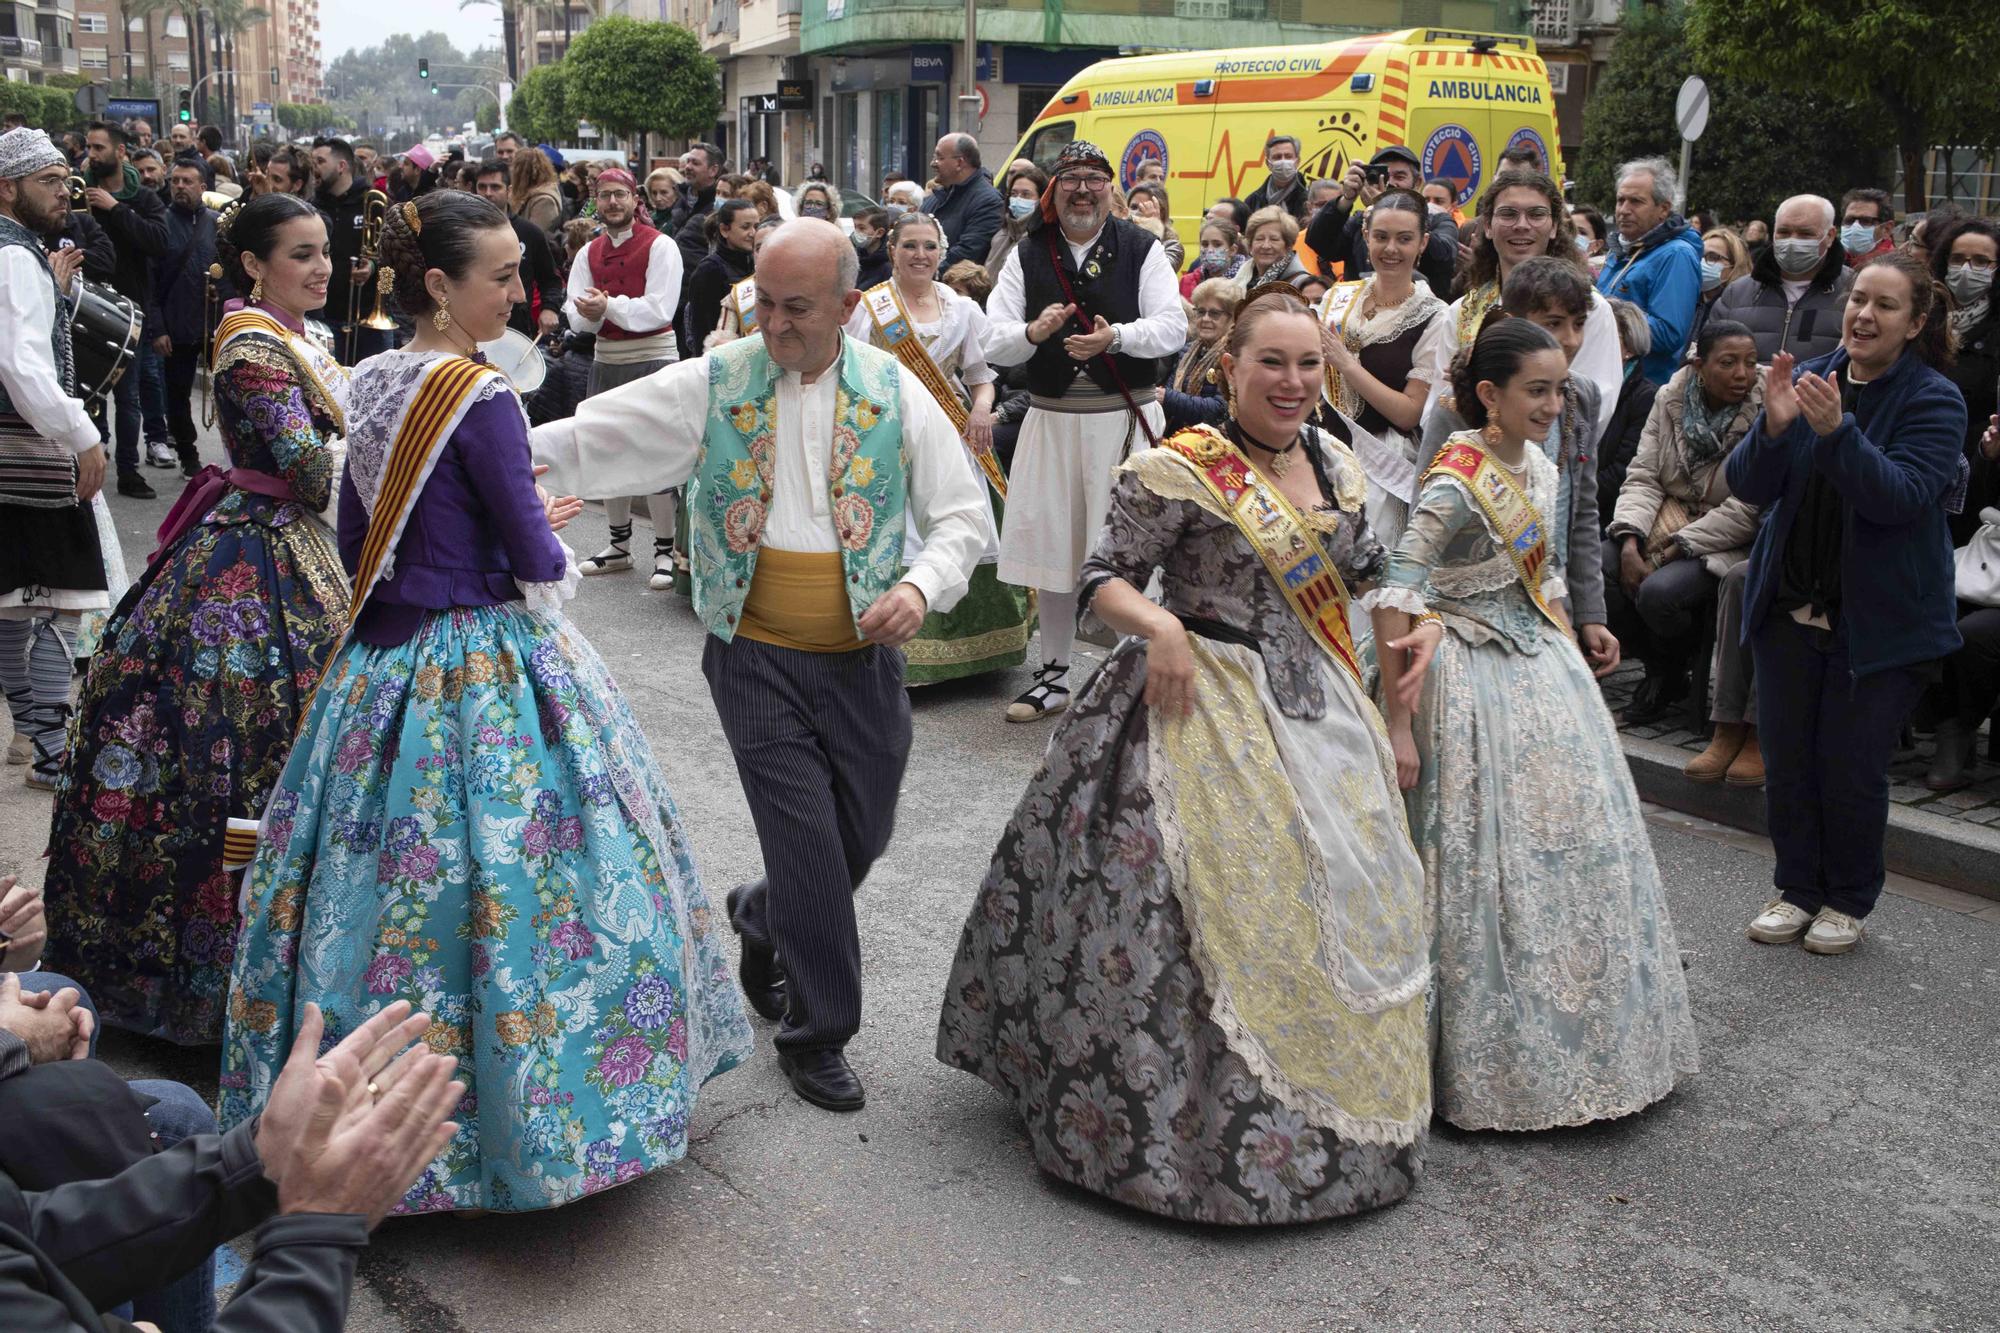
518, 357
104, 336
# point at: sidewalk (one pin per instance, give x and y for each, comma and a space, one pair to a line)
1951, 839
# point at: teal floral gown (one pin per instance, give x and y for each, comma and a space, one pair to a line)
1558, 996
472, 820
193, 696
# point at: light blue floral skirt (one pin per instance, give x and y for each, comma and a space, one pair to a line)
472, 821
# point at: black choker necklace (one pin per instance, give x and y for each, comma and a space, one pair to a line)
1281, 459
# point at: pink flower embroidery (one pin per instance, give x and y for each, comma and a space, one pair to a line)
742, 524
854, 519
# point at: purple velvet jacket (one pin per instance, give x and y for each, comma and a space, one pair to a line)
478, 527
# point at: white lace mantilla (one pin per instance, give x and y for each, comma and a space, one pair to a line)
380, 397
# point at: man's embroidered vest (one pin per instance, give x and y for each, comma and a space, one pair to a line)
729, 494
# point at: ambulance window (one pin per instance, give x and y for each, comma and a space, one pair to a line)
1047, 143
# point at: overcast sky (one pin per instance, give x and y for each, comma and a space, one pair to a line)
345, 24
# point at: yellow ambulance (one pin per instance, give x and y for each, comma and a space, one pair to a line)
1456, 99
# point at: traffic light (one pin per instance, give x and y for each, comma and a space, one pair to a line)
187, 106
423, 67
435, 90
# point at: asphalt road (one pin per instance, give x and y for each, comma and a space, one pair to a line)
1831, 1166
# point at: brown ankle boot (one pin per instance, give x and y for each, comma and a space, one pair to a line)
1712, 763
1748, 768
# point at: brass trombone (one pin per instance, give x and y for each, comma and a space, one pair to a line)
374, 212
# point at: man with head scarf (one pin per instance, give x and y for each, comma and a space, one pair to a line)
1089, 304
51, 460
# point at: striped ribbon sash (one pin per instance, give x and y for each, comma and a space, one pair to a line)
744, 295
1515, 521
323, 376
897, 335
1280, 537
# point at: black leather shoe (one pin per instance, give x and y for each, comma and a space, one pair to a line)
1656, 697
763, 980
133, 486
824, 1078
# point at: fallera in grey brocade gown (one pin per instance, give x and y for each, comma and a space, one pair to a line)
1086, 988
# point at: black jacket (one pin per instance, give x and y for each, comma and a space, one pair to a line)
970, 212
1976, 372
81, 232
1808, 330
877, 266
137, 226
181, 284
344, 217
712, 279
1335, 236
1293, 201
538, 274
76, 1248
1620, 441
687, 220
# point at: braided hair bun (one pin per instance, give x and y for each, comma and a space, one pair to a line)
1495, 356
439, 230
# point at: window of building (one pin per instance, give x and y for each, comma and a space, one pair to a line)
136, 25
93, 23
177, 61
93, 57
177, 27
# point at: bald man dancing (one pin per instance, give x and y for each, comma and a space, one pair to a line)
802, 451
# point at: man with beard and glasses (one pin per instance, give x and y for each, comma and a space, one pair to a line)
625, 287
1089, 305
51, 457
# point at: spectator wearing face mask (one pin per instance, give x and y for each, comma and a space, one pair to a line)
819, 200
1025, 185
1792, 298
1724, 259
1964, 258
871, 242
1867, 225
1221, 255
1284, 187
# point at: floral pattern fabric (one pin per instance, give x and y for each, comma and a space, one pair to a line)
189, 706
1559, 993
1085, 989
473, 821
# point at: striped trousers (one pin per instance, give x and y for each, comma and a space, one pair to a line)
820, 741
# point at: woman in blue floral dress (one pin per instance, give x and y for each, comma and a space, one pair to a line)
194, 694
472, 819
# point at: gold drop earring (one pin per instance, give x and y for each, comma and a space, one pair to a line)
442, 319
257, 290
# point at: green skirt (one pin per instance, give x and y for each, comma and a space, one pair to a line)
987, 631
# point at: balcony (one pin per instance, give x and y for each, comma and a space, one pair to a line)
58, 59
25, 49
1553, 21
56, 7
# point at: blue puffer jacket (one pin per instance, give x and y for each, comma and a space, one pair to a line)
1661, 274
1892, 460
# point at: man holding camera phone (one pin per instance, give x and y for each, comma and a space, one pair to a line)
1337, 233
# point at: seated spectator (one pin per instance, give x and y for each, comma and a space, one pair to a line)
1677, 530
1972, 674
1655, 262
969, 280
1620, 440
1793, 296
1150, 201
1724, 259
342, 1138
1221, 255
1269, 237
1965, 261
1192, 396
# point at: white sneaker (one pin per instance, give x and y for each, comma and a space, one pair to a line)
663, 572
610, 560
1833, 932
1780, 923
161, 455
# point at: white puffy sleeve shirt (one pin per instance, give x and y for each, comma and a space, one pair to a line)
644, 437
27, 362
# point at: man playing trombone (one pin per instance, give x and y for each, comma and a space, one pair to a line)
350, 292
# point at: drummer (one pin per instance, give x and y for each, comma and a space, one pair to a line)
51, 459
540, 316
